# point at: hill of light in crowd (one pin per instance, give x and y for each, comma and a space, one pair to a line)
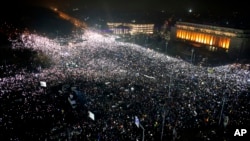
100, 54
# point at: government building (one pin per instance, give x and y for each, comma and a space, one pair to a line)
130, 28
235, 42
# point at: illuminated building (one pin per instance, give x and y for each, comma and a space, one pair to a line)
234, 41
131, 28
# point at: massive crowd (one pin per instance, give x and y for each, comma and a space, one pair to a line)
174, 100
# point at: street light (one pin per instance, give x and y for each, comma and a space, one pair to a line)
223, 102
163, 123
164, 108
192, 55
190, 10
166, 47
170, 81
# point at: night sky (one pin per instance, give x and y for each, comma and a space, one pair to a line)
213, 11
216, 6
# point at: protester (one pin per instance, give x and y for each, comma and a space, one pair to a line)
119, 81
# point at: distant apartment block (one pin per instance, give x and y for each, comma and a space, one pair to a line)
234, 41
130, 28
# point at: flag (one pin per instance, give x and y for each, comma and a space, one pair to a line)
137, 121
226, 120
91, 115
43, 84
